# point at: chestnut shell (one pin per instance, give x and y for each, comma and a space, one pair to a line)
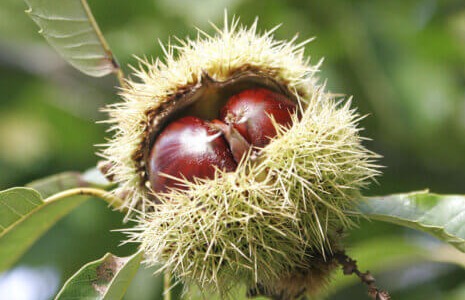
204, 100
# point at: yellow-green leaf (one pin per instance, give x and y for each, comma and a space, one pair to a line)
25, 217
106, 278
53, 184
69, 26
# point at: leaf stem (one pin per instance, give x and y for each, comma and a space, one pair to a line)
117, 69
167, 285
120, 76
112, 200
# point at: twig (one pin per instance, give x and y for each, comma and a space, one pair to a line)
349, 267
167, 285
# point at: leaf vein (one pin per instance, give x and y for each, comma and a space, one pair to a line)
12, 209
66, 36
77, 45
56, 18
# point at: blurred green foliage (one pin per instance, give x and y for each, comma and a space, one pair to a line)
403, 61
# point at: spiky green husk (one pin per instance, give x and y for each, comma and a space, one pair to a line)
269, 218
274, 221
233, 49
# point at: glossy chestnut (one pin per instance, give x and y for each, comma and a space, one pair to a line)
249, 112
187, 148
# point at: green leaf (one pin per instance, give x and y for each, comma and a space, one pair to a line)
25, 216
56, 183
68, 25
442, 216
51, 185
106, 278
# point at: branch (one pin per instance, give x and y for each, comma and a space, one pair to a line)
349, 267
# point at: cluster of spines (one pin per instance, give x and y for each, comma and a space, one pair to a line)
269, 216
231, 49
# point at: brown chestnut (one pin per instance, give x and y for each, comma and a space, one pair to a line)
249, 112
187, 148
193, 148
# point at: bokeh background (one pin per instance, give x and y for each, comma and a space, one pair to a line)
402, 60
